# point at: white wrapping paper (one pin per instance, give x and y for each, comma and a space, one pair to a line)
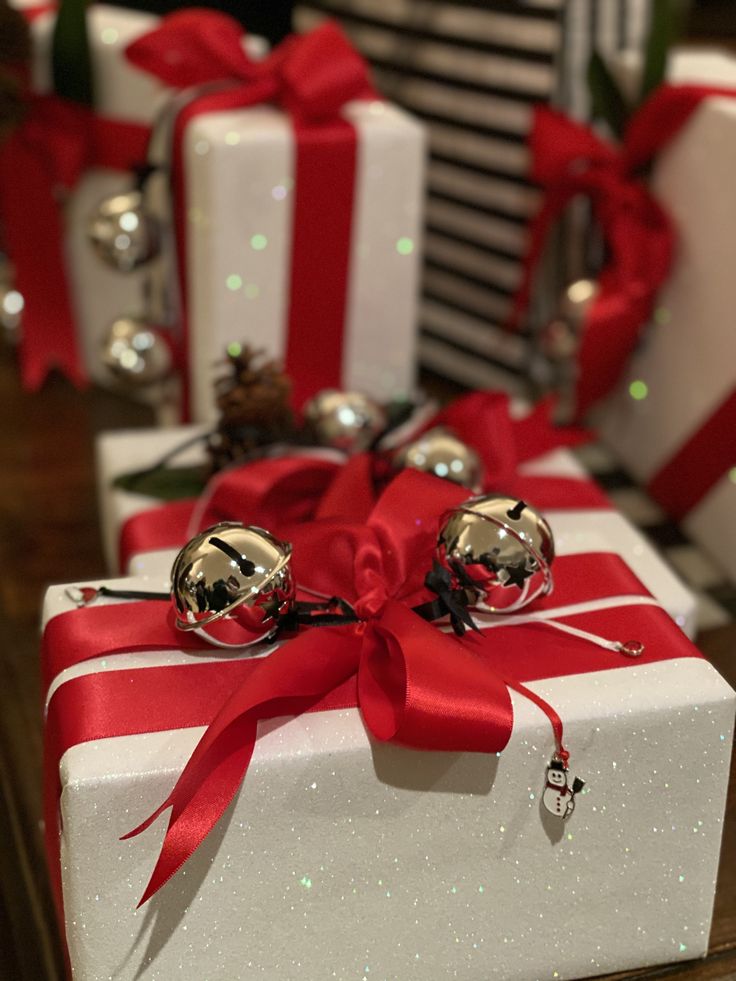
687, 359
575, 531
345, 858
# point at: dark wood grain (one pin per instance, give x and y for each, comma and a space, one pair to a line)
49, 533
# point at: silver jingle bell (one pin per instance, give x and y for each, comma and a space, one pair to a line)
501, 546
232, 584
123, 232
347, 421
560, 338
11, 312
136, 353
441, 453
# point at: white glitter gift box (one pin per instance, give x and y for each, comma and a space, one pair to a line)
349, 857
673, 417
575, 530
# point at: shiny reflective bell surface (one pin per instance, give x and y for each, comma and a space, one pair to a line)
11, 311
135, 352
503, 545
560, 339
123, 233
347, 421
232, 584
441, 453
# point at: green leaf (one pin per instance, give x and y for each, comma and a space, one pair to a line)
70, 53
165, 483
666, 25
607, 101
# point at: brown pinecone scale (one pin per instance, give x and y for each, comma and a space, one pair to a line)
252, 397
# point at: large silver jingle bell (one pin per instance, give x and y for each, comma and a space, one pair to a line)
347, 421
136, 353
232, 584
123, 233
441, 453
500, 544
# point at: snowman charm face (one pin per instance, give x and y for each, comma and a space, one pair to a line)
558, 797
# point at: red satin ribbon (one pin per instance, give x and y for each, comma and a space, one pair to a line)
568, 160
415, 684
292, 489
310, 77
682, 483
39, 164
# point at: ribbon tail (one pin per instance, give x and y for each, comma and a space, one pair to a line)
288, 682
424, 689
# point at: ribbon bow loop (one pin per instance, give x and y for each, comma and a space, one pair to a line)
320, 72
419, 687
563, 148
193, 47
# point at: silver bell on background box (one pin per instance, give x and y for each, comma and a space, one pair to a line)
123, 232
558, 342
347, 421
503, 545
136, 353
560, 339
232, 584
11, 312
441, 453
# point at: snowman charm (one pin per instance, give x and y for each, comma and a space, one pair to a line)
559, 797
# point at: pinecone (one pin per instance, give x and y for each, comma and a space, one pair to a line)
253, 399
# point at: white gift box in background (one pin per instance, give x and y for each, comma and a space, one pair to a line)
239, 168
344, 856
575, 531
685, 367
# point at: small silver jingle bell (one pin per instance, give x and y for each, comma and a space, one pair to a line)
136, 353
441, 453
560, 338
232, 584
11, 312
500, 545
123, 232
347, 421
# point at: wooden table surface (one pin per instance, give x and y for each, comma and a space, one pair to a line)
49, 533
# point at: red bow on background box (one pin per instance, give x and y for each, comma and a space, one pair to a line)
413, 683
311, 77
570, 160
288, 490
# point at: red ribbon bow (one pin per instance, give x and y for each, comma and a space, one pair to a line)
568, 160
416, 685
289, 490
312, 75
